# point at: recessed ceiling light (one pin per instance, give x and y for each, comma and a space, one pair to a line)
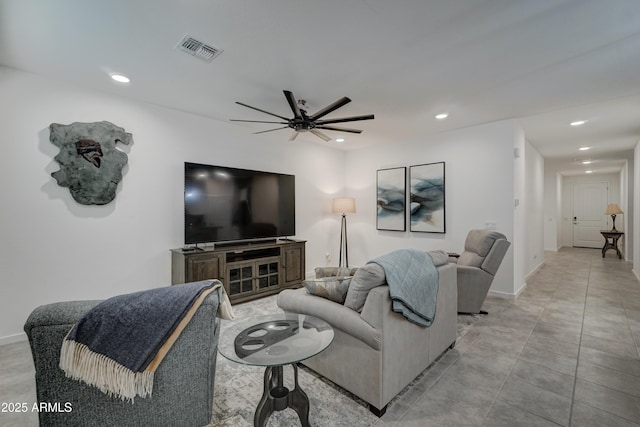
339, 139
584, 148
578, 123
588, 171
586, 162
120, 78
442, 116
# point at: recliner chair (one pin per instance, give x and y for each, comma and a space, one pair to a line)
477, 266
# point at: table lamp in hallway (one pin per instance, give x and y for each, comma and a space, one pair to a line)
344, 206
613, 210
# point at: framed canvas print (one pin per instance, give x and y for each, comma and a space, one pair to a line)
427, 201
391, 187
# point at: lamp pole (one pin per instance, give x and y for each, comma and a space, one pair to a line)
343, 242
344, 205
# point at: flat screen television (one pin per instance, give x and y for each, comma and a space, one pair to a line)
223, 204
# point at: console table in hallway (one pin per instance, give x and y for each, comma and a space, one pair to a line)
611, 238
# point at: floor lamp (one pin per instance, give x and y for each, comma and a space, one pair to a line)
344, 206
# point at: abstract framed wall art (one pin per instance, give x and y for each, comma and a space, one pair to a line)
391, 187
427, 201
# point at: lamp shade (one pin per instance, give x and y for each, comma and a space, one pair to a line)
613, 209
344, 205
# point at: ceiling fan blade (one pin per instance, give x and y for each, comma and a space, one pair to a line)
345, 119
262, 111
339, 129
293, 136
326, 110
293, 104
270, 130
320, 134
256, 121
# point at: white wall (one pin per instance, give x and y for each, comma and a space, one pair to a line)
552, 210
636, 208
54, 249
535, 209
479, 187
628, 206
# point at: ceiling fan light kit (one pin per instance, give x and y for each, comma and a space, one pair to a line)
303, 122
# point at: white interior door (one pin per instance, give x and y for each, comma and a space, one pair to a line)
589, 204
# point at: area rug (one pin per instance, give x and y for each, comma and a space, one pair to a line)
238, 388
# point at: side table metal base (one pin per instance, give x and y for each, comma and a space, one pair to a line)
276, 397
611, 242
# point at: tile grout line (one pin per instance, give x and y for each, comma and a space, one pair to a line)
495, 399
575, 376
395, 423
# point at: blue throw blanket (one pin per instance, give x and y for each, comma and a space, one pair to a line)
413, 284
118, 344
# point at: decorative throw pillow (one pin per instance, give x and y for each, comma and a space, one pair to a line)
334, 271
366, 278
439, 257
332, 288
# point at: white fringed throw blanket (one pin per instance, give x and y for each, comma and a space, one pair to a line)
118, 345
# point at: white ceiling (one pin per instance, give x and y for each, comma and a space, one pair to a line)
543, 62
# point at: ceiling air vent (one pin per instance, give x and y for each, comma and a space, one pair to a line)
198, 49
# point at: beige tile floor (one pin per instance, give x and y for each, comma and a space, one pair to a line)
566, 353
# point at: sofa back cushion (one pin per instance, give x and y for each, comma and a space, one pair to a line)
477, 246
366, 278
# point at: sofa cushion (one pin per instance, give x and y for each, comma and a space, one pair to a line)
470, 259
481, 241
439, 257
366, 278
332, 288
334, 271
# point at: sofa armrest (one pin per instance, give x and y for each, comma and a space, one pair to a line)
60, 313
469, 276
337, 315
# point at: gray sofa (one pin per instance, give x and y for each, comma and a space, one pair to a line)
183, 385
377, 352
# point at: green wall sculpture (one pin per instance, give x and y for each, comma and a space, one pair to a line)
90, 164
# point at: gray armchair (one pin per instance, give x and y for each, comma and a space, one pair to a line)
183, 384
477, 266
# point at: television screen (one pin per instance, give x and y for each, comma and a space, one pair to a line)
224, 204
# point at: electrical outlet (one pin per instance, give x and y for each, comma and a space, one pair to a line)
490, 225
328, 257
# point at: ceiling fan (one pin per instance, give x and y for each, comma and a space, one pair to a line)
303, 122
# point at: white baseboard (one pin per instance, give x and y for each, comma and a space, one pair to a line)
10, 339
534, 271
508, 296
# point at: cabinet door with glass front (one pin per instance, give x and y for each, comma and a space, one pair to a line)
240, 279
267, 274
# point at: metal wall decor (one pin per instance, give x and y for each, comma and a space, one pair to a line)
90, 164
391, 187
427, 201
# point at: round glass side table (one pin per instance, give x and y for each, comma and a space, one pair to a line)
273, 341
